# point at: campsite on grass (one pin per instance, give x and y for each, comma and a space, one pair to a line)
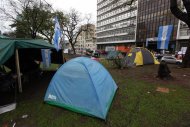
142, 99
114, 63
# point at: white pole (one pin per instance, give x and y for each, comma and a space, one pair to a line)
163, 51
18, 71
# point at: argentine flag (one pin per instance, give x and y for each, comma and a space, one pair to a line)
164, 36
57, 34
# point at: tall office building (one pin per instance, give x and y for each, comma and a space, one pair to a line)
116, 24
151, 15
138, 24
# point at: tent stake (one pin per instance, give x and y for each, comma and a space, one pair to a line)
18, 71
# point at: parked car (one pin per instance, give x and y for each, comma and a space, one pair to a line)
171, 59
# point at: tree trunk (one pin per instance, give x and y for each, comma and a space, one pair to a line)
186, 58
33, 35
73, 48
164, 71
185, 17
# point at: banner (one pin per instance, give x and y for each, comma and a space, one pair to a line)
46, 57
164, 36
57, 34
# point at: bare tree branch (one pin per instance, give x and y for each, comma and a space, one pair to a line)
73, 28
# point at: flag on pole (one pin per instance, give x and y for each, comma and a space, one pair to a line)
164, 36
57, 34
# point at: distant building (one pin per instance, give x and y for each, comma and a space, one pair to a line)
116, 23
65, 44
87, 39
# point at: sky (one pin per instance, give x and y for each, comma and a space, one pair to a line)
82, 6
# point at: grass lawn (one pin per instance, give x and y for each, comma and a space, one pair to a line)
136, 104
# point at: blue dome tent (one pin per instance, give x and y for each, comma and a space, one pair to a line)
82, 85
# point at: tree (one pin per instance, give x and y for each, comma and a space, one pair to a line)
72, 27
185, 17
32, 17
10, 34
47, 29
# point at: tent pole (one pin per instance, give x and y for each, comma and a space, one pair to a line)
18, 71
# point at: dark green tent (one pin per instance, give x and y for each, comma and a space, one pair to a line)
8, 46
2, 36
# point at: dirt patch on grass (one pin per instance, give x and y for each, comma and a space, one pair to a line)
148, 73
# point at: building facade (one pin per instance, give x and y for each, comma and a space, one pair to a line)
116, 23
151, 15
138, 24
87, 39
